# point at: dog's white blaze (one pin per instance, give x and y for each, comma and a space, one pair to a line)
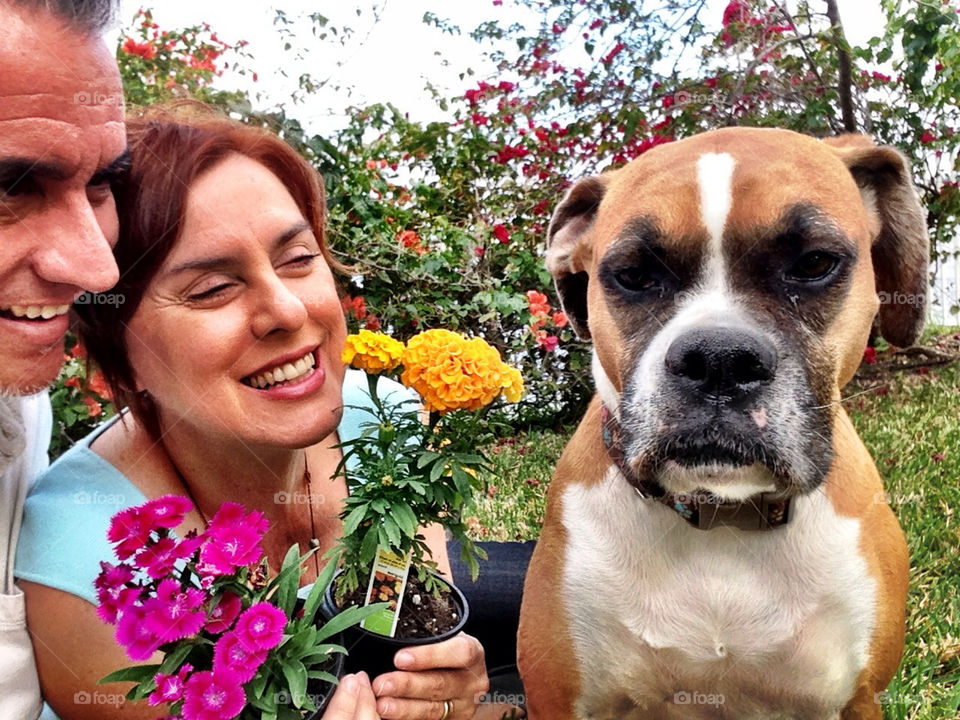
778, 620
715, 180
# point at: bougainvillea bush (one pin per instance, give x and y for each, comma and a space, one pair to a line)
444, 223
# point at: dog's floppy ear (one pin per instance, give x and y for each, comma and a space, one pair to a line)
567, 254
901, 250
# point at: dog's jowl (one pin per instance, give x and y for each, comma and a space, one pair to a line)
716, 543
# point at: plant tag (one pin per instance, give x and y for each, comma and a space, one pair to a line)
388, 580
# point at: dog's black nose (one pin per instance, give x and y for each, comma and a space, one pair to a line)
723, 363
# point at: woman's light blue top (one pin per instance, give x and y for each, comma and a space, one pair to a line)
68, 511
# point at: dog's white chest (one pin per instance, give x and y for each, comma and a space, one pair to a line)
669, 621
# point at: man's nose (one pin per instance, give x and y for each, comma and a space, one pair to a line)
73, 247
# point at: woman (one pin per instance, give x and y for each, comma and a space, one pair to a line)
224, 342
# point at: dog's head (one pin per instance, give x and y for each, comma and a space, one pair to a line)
729, 282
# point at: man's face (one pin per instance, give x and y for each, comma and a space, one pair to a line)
61, 143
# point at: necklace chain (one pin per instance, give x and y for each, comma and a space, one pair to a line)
307, 481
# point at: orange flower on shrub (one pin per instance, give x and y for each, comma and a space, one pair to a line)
539, 303
373, 352
98, 384
410, 239
452, 372
94, 408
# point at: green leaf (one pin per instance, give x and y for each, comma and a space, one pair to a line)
353, 520
315, 596
324, 676
353, 615
136, 673
405, 518
321, 653
368, 547
286, 596
174, 660
437, 470
393, 531
296, 675
426, 458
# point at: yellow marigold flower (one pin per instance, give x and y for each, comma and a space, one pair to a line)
451, 372
513, 385
373, 352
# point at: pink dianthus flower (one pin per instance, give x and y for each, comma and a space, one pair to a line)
174, 614
169, 687
229, 652
213, 695
261, 626
223, 614
133, 634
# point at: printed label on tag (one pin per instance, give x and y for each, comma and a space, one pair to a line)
388, 580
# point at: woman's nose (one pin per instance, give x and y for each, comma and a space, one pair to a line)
278, 308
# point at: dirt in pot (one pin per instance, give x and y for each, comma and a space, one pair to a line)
422, 614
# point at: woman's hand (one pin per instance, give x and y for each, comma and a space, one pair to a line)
353, 700
427, 675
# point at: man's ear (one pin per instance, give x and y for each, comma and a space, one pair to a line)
901, 250
568, 251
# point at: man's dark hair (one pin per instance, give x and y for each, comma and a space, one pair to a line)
89, 17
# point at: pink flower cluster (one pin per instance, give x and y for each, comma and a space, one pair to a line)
163, 592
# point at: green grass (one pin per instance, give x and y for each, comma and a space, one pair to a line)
910, 421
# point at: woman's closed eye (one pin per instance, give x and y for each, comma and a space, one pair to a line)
300, 258
210, 290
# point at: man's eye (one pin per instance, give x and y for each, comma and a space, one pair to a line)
19, 187
99, 194
812, 267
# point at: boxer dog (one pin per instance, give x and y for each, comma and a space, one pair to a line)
717, 542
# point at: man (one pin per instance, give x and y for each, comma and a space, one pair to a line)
62, 142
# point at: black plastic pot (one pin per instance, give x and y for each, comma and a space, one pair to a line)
372, 652
321, 691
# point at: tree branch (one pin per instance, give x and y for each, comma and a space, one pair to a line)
843, 65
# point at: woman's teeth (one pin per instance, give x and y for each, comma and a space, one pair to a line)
32, 312
284, 373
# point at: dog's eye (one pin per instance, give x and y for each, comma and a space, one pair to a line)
812, 267
635, 279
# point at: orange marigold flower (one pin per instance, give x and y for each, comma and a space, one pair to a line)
452, 372
513, 385
373, 352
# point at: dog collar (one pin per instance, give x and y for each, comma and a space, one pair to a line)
703, 510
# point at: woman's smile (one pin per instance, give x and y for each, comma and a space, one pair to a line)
289, 377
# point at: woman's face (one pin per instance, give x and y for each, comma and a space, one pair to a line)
239, 334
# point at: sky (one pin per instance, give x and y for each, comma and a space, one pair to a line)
389, 58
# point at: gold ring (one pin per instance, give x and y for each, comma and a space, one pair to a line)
446, 709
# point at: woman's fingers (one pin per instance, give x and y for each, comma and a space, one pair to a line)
343, 704
367, 701
353, 700
403, 709
460, 651
428, 676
